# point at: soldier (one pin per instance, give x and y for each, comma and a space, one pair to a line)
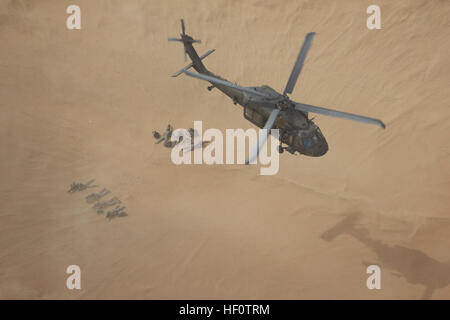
156, 134
200, 144
193, 133
165, 137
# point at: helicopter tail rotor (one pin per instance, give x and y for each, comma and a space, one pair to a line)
184, 38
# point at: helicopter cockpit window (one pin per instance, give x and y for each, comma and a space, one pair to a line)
307, 142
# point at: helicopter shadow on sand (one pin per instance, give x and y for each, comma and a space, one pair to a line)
412, 264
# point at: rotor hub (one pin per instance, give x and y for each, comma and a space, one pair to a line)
284, 104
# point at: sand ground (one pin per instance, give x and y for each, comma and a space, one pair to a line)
81, 104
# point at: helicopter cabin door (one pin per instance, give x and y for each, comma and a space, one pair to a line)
254, 117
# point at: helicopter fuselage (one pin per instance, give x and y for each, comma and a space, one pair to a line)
295, 129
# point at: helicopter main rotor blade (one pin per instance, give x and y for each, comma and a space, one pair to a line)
338, 114
263, 136
299, 63
224, 83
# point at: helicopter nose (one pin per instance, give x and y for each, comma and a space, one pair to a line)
322, 145
314, 144
322, 148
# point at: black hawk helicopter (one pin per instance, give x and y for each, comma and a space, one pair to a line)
268, 109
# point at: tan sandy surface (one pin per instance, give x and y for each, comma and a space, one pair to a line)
80, 105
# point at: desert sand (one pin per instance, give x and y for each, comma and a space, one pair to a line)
82, 104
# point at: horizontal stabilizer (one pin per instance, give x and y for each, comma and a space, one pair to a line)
191, 64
